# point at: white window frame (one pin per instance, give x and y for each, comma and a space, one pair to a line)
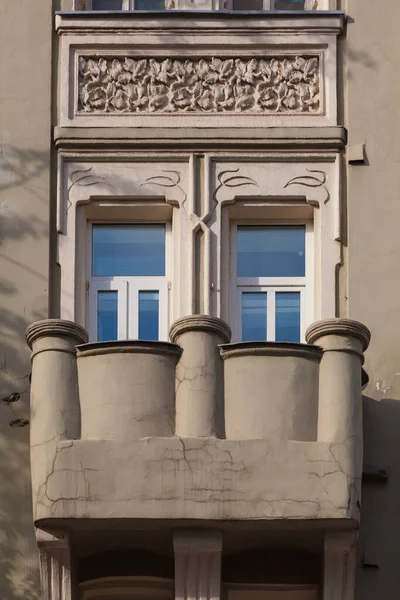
271, 285
128, 289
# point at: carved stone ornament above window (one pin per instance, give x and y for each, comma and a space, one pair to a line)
284, 84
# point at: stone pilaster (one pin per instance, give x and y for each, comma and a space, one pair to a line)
55, 567
197, 565
339, 565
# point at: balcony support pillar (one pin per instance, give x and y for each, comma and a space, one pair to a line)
54, 389
199, 375
55, 410
197, 565
339, 565
339, 406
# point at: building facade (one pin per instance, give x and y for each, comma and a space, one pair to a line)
197, 200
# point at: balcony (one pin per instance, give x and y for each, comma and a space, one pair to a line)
199, 428
198, 70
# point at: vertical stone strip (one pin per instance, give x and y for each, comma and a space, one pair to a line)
339, 565
197, 565
55, 567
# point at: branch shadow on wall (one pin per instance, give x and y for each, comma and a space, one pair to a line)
23, 290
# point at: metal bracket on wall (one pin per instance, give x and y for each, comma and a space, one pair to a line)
372, 473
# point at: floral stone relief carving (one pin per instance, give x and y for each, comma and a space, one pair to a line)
289, 84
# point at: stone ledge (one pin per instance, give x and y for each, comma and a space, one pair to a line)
128, 347
270, 349
192, 478
260, 138
175, 20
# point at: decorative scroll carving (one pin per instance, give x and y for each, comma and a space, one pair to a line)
267, 85
312, 181
170, 180
226, 179
85, 178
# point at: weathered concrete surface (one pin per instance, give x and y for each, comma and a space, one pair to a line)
191, 478
25, 129
373, 214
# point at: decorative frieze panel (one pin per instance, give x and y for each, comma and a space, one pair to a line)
200, 71
271, 84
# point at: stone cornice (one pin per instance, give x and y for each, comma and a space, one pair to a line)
55, 328
229, 22
261, 138
339, 327
200, 323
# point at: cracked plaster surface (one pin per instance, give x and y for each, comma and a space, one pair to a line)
196, 478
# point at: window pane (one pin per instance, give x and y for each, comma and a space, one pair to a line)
148, 315
107, 316
149, 4
287, 324
128, 250
254, 317
248, 4
289, 4
271, 251
106, 4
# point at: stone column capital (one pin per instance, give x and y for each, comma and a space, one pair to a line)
55, 328
197, 542
339, 334
197, 564
200, 323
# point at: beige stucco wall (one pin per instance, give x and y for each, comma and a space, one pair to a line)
373, 54
25, 72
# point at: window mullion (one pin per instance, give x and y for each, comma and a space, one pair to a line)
163, 311
133, 332
269, 4
271, 315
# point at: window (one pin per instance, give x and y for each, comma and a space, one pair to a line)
269, 4
271, 266
128, 288
125, 4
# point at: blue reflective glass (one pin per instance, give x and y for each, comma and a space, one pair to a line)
287, 316
254, 317
107, 316
149, 4
128, 250
289, 4
106, 4
277, 251
148, 315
